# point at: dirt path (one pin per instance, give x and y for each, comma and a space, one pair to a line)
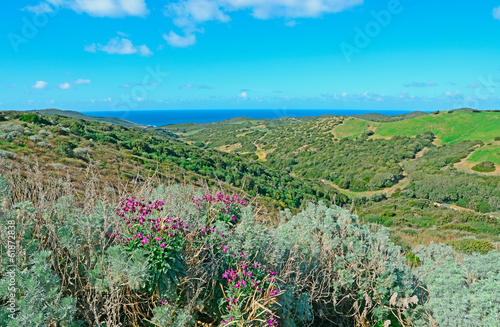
229, 148
262, 154
401, 184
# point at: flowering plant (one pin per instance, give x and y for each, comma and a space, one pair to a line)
220, 208
162, 237
250, 294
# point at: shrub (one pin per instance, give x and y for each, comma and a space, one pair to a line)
161, 239
464, 291
34, 119
484, 167
79, 152
40, 299
326, 249
470, 246
65, 149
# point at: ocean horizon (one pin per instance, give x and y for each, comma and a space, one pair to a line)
202, 116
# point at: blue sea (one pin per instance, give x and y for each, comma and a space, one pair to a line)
166, 117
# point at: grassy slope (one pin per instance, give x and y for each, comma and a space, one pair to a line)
78, 115
353, 128
448, 129
487, 153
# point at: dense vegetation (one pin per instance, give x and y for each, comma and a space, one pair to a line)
190, 257
106, 225
74, 142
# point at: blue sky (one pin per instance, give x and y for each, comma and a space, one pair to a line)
91, 55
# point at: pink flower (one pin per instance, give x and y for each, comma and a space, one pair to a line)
144, 240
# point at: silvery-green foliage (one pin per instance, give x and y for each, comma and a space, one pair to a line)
4, 188
464, 289
130, 268
294, 310
172, 316
343, 266
249, 237
39, 300
77, 231
173, 205
21, 211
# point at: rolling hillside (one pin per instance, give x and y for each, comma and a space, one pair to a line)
281, 163
79, 115
68, 146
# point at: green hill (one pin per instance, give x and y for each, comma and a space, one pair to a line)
79, 115
68, 145
448, 127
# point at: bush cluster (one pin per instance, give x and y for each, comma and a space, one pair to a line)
186, 257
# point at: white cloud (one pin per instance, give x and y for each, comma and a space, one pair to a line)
82, 81
175, 40
40, 85
496, 13
144, 51
420, 84
40, 8
188, 13
195, 86
122, 34
90, 48
105, 8
119, 46
65, 86
243, 96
